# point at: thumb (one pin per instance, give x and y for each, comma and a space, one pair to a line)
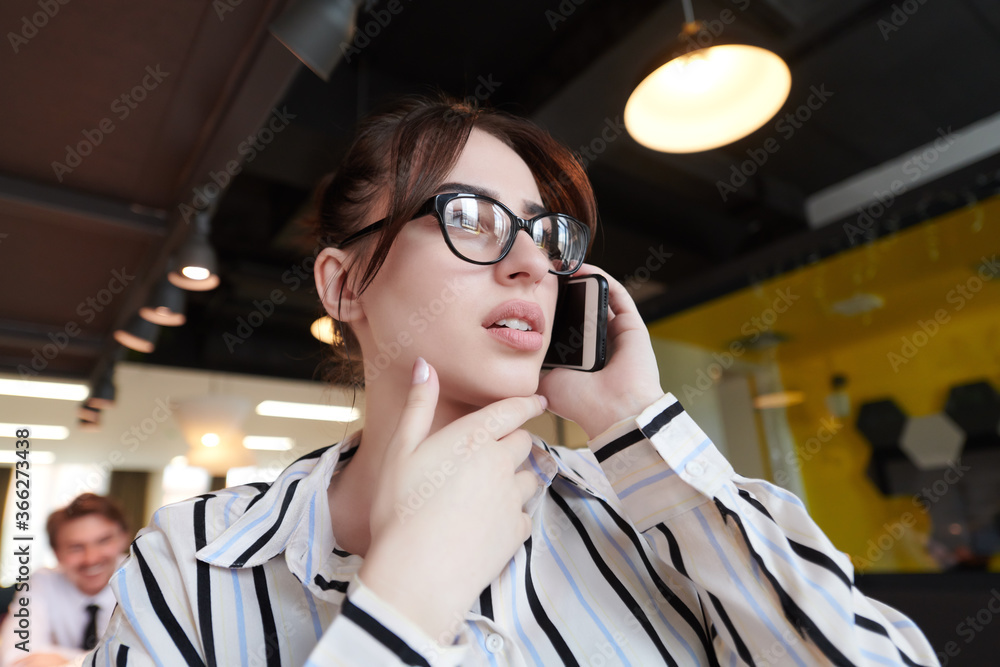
418, 412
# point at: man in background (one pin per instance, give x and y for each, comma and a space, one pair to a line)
70, 606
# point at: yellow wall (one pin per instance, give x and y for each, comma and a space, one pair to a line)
920, 274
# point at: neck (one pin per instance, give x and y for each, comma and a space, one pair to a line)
351, 491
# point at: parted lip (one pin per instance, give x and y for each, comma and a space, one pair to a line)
522, 310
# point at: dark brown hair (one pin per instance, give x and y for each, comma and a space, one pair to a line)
84, 505
397, 161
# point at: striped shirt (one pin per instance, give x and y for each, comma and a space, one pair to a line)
646, 549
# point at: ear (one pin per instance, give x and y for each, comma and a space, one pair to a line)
334, 289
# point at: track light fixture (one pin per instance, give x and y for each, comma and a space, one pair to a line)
139, 335
166, 306
196, 268
316, 31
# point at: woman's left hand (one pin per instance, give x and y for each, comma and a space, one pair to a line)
628, 383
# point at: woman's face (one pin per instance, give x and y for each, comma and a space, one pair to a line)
425, 301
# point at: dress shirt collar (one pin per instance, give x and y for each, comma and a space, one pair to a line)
293, 516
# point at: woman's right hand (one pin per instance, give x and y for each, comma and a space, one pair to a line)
448, 513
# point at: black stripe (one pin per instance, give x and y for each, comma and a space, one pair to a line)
798, 618
671, 597
543, 620
266, 537
618, 444
821, 559
331, 584
805, 553
340, 552
662, 419
741, 648
204, 584
756, 504
262, 488
486, 603
162, 611
623, 594
382, 634
315, 454
870, 625
93, 659
121, 660
676, 558
874, 626
272, 648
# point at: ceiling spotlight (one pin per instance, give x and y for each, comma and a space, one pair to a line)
139, 335
103, 394
166, 306
324, 331
315, 31
710, 93
196, 267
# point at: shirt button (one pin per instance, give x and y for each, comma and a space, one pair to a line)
695, 469
494, 643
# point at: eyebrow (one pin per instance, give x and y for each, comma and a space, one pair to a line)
531, 207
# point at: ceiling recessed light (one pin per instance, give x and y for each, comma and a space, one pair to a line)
858, 304
272, 443
36, 456
330, 413
35, 431
62, 391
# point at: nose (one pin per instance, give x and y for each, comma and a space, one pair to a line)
525, 261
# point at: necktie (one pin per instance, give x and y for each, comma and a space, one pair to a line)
90, 633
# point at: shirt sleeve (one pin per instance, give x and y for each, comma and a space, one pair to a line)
773, 587
368, 631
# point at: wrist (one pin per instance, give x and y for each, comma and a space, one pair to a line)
415, 593
623, 406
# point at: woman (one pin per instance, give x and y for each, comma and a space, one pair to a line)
445, 534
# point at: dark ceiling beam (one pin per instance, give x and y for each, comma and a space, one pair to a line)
84, 209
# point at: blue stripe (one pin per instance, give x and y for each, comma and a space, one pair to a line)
482, 642
642, 580
579, 595
905, 623
697, 452
317, 627
256, 522
107, 652
787, 496
517, 618
646, 482
879, 659
126, 605
742, 587
241, 625
847, 618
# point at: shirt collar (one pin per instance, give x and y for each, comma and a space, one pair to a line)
293, 515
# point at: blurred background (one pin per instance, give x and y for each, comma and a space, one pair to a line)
821, 292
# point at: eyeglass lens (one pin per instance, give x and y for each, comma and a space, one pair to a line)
479, 230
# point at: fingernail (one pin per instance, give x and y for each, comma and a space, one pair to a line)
544, 401
421, 371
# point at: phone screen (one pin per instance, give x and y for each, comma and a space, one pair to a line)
579, 328
567, 348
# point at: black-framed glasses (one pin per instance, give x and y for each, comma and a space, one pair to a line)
481, 230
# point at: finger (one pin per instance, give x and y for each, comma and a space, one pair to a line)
517, 445
417, 415
527, 484
498, 419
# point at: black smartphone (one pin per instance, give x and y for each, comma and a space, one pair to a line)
580, 329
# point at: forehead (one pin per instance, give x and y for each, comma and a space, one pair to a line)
492, 166
85, 528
